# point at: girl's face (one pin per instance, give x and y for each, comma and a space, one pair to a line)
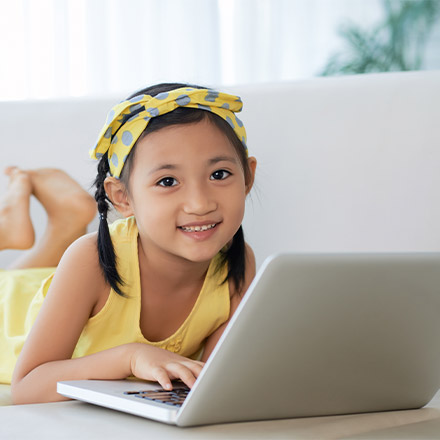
187, 191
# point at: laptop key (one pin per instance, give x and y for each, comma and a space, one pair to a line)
174, 398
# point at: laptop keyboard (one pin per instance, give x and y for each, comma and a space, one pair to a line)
175, 397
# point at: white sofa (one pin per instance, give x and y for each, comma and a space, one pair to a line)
347, 164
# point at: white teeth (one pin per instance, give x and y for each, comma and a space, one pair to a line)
197, 228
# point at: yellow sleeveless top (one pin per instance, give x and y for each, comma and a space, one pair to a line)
118, 322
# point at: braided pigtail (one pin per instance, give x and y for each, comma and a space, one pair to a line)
106, 251
235, 259
236, 256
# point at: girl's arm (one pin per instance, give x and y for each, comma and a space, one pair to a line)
71, 300
236, 297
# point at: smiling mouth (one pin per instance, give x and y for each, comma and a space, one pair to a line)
198, 228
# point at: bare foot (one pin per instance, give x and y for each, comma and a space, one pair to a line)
16, 230
69, 210
69, 207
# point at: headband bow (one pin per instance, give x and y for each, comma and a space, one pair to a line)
127, 120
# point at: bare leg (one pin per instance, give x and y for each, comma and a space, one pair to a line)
69, 209
16, 230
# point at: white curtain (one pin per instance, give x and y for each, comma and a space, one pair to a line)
70, 48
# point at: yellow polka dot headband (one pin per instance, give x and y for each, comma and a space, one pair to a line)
127, 120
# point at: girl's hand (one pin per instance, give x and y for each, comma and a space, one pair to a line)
160, 365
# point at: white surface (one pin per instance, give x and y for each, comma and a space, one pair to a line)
345, 164
73, 420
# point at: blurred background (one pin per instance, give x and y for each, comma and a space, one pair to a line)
52, 49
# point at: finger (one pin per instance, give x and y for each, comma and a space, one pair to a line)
195, 367
160, 375
182, 372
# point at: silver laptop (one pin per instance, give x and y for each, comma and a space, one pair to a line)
314, 335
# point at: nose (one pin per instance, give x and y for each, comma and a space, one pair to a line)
199, 201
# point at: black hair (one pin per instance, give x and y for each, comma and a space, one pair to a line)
106, 251
235, 253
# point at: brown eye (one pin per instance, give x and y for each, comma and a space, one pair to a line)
220, 175
167, 181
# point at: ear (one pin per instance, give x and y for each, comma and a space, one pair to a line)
117, 193
252, 162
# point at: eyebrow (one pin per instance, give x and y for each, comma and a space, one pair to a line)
163, 167
217, 159
213, 161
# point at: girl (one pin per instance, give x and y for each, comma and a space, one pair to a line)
150, 295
